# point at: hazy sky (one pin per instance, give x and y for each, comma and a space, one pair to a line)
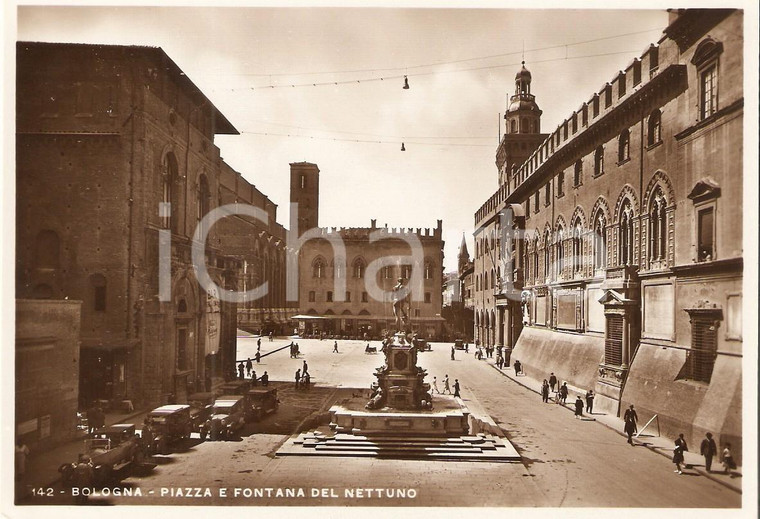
461, 65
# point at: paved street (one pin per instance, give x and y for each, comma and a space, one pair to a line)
566, 462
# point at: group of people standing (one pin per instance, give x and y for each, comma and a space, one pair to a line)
446, 386
303, 378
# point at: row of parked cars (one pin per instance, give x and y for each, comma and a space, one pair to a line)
110, 450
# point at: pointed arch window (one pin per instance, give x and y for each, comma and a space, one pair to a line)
577, 258
547, 255
600, 242
560, 251
657, 228
535, 259
625, 235
428, 270
170, 193
204, 199
359, 268
318, 268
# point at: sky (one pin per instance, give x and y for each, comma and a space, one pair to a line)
460, 64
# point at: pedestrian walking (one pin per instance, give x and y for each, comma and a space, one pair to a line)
678, 450
248, 366
499, 361
466, 348
629, 428
578, 407
727, 459
630, 415
335, 347
298, 376
708, 449
563, 392
552, 381
258, 344
518, 368
241, 369
446, 388
589, 401
305, 368
452, 353
21, 453
271, 336
258, 357
545, 391
456, 388
435, 385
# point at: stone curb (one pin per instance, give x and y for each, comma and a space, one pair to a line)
658, 450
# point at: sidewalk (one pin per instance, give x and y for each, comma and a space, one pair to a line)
42, 467
693, 461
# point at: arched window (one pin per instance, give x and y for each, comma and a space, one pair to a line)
339, 267
171, 192
99, 292
653, 128
428, 270
513, 126
318, 268
657, 227
47, 250
547, 255
625, 234
624, 146
599, 161
560, 251
535, 259
359, 268
204, 198
577, 258
600, 242
561, 183
578, 173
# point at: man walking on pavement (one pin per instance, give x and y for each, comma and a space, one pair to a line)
435, 385
708, 449
552, 381
248, 366
298, 376
305, 368
563, 392
446, 388
452, 353
335, 347
456, 388
589, 401
630, 418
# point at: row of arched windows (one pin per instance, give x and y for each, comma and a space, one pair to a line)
583, 250
358, 268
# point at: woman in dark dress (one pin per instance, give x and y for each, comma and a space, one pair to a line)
678, 451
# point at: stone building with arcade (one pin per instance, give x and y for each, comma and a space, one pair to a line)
115, 167
611, 254
352, 311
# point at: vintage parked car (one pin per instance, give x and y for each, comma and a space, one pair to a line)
166, 425
234, 387
227, 418
201, 405
459, 344
106, 456
262, 402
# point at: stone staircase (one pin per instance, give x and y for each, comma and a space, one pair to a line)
482, 447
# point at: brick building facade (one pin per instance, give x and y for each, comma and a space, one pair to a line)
629, 278
115, 156
353, 311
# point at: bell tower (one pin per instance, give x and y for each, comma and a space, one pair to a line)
523, 128
304, 192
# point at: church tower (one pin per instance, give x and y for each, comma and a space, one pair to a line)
304, 191
463, 257
522, 135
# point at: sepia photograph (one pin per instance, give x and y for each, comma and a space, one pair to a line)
385, 258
